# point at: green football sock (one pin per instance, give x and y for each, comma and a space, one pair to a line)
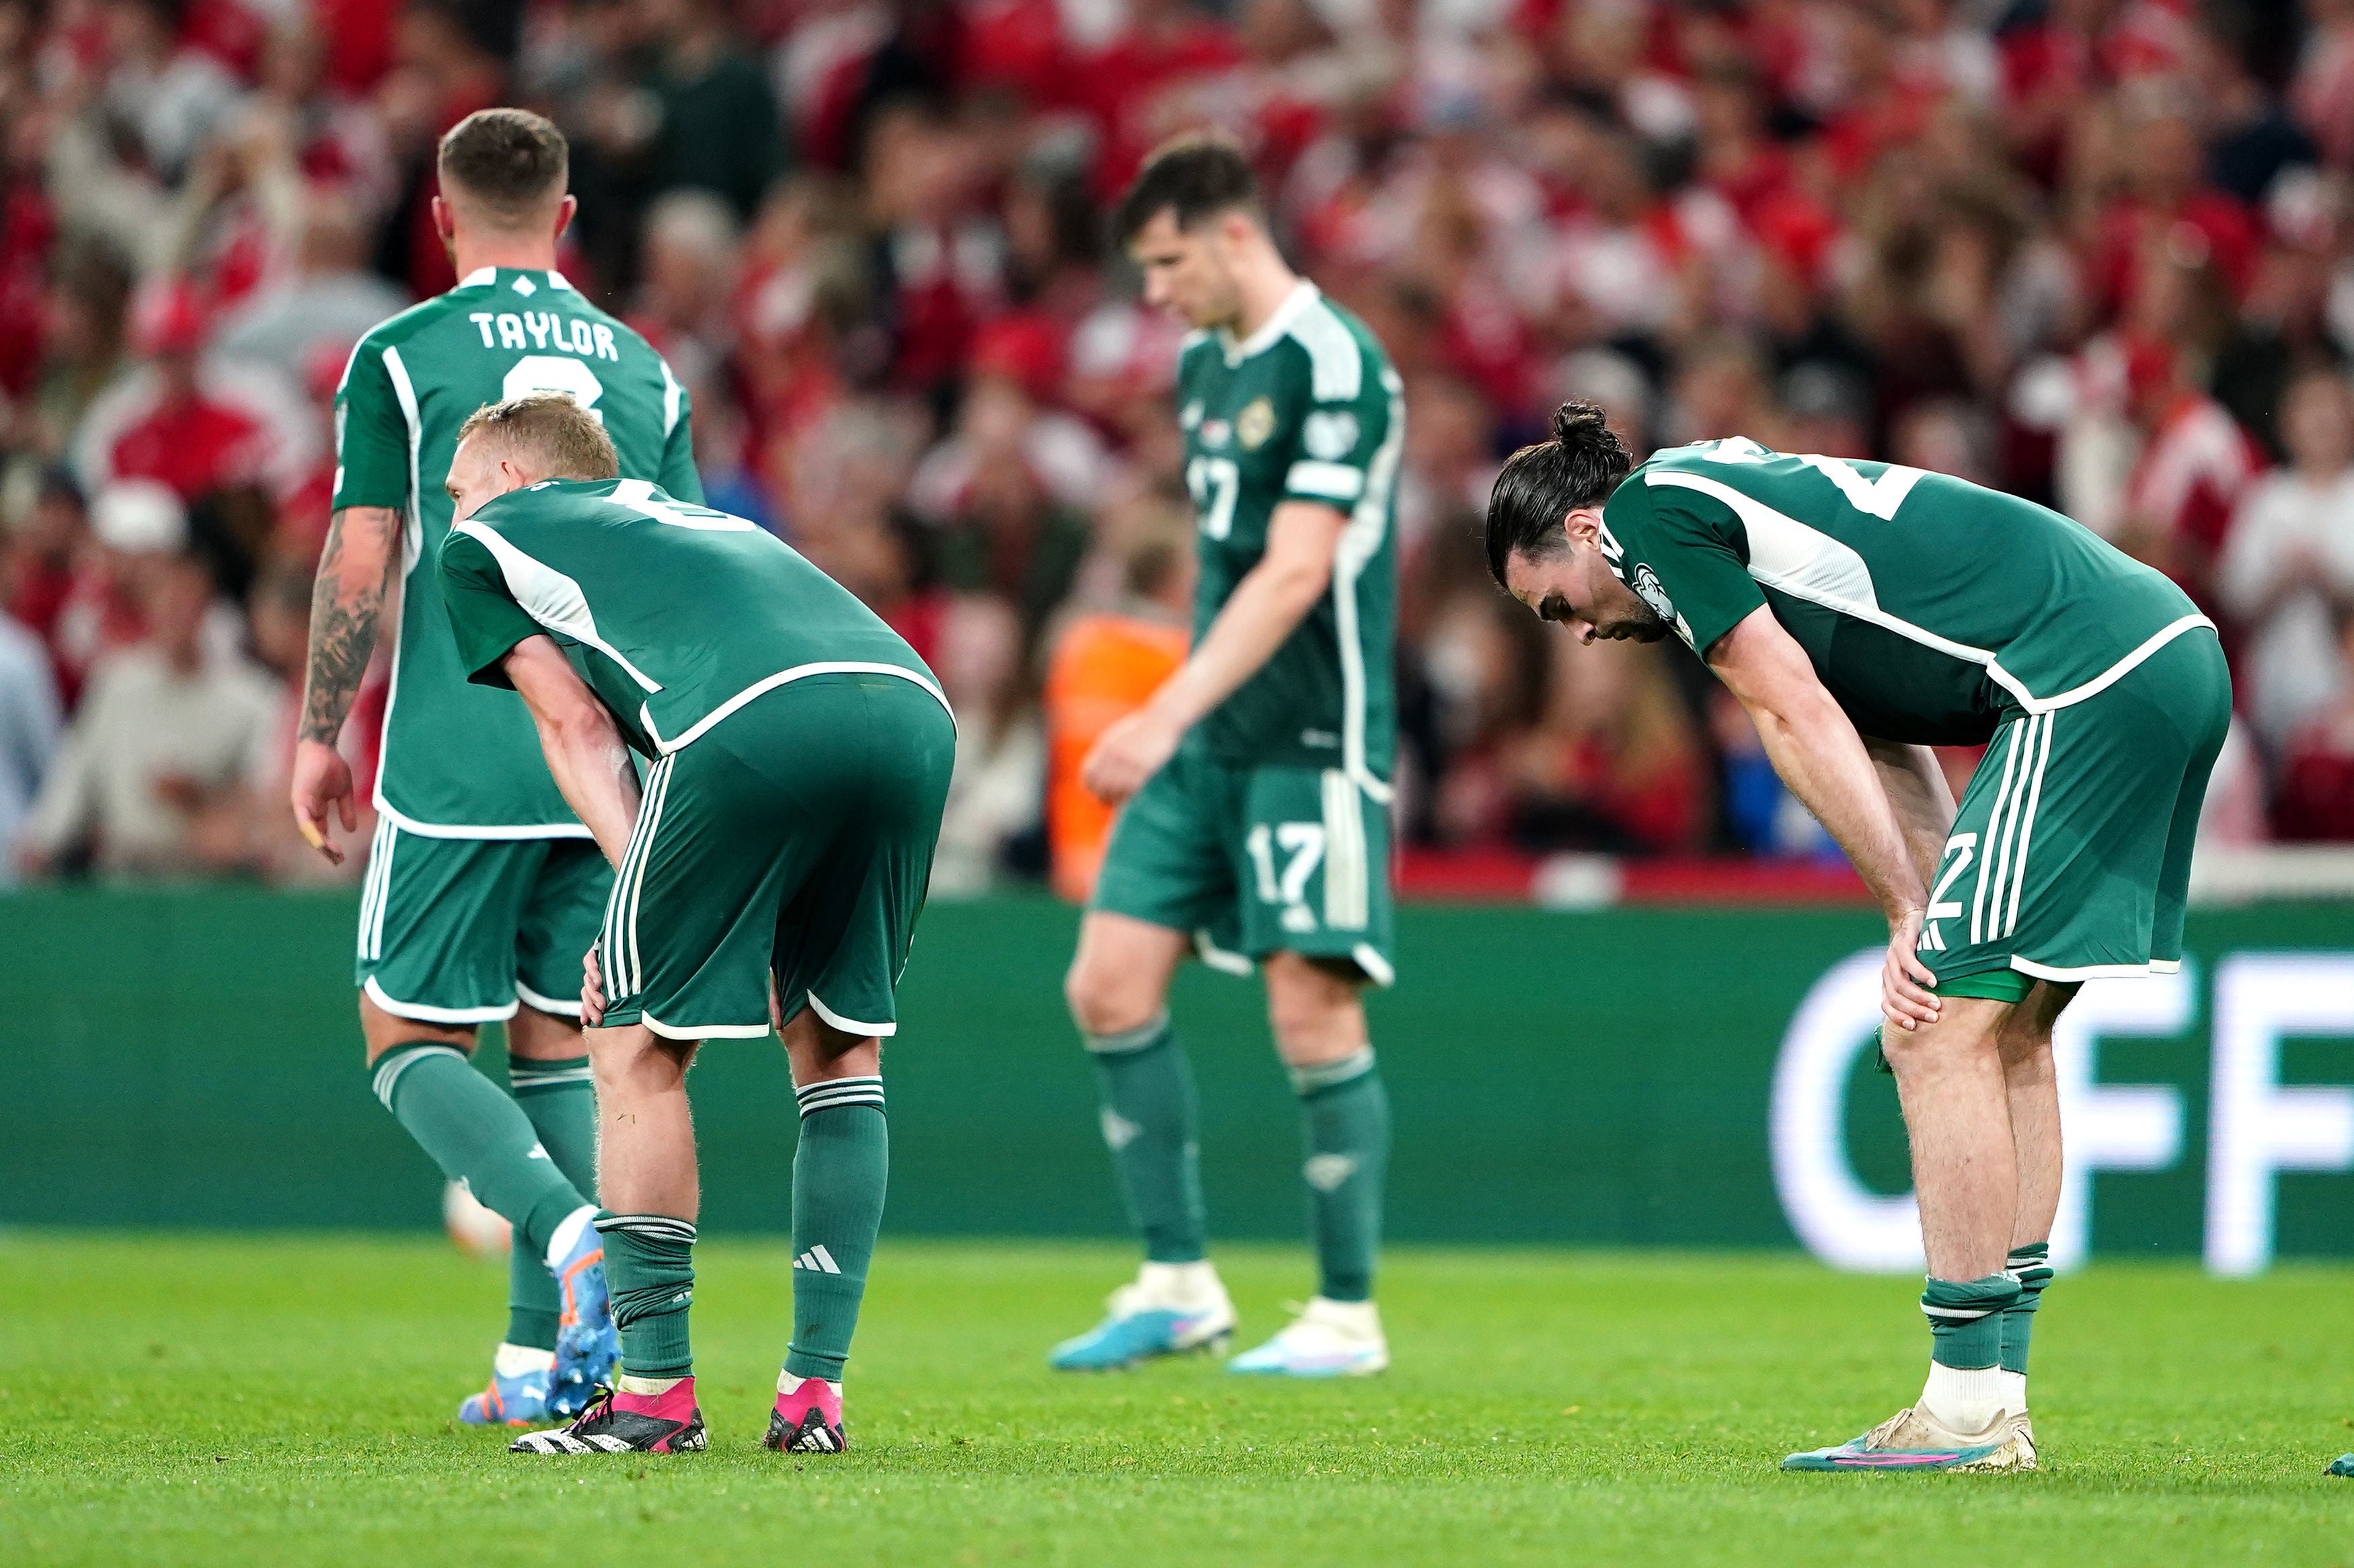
478, 1135
560, 1099
2032, 1266
1149, 1116
1966, 1319
650, 1272
838, 1172
1344, 1114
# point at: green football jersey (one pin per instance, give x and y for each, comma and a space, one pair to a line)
1932, 608
1307, 409
674, 614
458, 761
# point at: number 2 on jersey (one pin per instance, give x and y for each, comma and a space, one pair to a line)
554, 373
1874, 497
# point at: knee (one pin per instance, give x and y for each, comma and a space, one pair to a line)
1917, 1053
637, 1060
1105, 1001
1315, 1016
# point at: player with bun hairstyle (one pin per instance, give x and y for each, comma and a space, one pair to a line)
1862, 613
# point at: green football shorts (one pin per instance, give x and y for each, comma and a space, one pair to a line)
792, 839
1253, 860
2070, 857
458, 930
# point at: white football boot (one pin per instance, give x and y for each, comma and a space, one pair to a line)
1328, 1339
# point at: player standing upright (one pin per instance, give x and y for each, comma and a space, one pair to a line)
1863, 613
1256, 779
482, 888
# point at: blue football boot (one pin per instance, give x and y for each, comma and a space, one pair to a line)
517, 1400
1170, 1309
588, 1346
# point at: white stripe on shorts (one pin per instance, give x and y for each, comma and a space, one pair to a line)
1987, 839
2027, 827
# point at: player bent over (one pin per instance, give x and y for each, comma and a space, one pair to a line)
799, 758
481, 887
1257, 824
1863, 613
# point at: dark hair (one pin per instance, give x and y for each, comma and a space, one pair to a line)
1544, 483
1193, 177
511, 161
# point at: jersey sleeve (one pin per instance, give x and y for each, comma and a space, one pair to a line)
371, 434
483, 616
679, 478
1680, 551
1339, 419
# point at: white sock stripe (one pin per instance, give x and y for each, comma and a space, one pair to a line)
521, 1081
660, 1228
2027, 824
1325, 1075
1959, 1314
1124, 1041
847, 1102
840, 1092
388, 1071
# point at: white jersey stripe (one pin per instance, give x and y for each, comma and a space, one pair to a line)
1359, 541
781, 678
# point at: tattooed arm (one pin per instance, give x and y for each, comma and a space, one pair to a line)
363, 548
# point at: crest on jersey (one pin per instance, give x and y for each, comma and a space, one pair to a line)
1330, 436
1213, 432
1646, 588
1255, 424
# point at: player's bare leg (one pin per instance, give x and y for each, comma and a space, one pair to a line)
1316, 1010
646, 1174
1967, 1174
1118, 988
2033, 1090
480, 1136
840, 1169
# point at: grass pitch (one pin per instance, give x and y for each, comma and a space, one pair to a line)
197, 1399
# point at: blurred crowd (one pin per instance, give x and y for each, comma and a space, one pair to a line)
2096, 252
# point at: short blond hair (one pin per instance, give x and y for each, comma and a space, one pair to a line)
561, 439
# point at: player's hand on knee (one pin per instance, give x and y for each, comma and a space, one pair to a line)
592, 991
1905, 981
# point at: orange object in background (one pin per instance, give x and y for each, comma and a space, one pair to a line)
1104, 667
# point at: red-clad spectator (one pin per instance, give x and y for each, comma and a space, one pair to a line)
2196, 462
188, 441
2317, 792
2168, 203
2323, 93
1126, 84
